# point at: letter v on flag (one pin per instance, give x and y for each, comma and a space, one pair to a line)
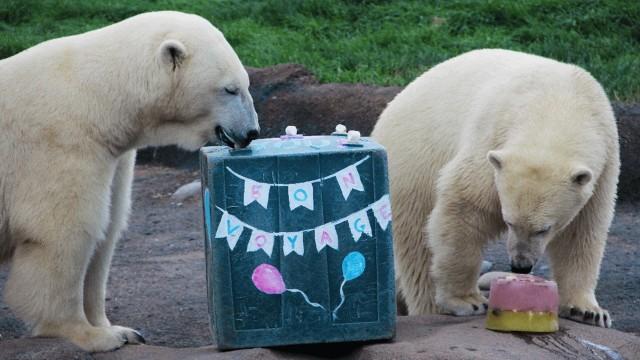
349, 179
231, 228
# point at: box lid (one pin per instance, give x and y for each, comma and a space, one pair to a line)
292, 145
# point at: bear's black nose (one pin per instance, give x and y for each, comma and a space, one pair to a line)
521, 269
252, 135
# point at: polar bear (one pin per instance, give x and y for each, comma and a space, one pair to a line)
496, 141
74, 111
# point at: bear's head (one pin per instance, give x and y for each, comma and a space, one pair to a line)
200, 87
539, 198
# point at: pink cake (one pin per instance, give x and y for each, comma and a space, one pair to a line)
523, 303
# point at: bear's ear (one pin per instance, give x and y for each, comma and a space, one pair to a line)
172, 53
581, 176
495, 158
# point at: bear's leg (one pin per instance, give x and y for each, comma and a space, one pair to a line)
457, 232
98, 271
45, 289
575, 256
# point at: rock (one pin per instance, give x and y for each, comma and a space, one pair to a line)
424, 337
186, 191
289, 94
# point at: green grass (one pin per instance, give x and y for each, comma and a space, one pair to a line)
376, 42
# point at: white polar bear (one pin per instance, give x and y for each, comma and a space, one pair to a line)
496, 141
73, 111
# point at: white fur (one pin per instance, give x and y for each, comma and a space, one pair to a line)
74, 110
549, 132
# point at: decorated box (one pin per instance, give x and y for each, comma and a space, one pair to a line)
298, 242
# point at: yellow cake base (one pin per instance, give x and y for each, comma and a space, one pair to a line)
527, 321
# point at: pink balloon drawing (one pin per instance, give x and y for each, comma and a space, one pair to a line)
267, 278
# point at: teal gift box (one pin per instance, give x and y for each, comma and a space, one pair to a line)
298, 242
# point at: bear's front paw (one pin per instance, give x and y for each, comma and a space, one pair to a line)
474, 304
588, 314
93, 338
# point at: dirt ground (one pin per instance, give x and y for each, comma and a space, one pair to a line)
157, 283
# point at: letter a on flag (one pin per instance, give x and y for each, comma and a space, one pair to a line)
326, 235
349, 179
255, 191
301, 195
261, 240
292, 242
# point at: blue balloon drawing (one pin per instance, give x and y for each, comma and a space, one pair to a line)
353, 266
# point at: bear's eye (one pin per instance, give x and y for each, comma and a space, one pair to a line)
509, 224
542, 231
231, 90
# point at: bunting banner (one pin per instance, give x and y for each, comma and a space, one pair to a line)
301, 194
230, 227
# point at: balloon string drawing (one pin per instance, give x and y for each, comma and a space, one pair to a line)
268, 279
352, 267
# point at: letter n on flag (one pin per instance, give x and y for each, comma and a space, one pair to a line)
326, 235
349, 179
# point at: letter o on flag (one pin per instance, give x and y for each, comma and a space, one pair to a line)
261, 240
300, 195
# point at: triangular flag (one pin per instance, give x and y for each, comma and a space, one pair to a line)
261, 240
222, 226
382, 211
231, 228
292, 242
326, 235
349, 179
359, 224
301, 195
255, 191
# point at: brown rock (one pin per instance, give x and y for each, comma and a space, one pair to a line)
290, 95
